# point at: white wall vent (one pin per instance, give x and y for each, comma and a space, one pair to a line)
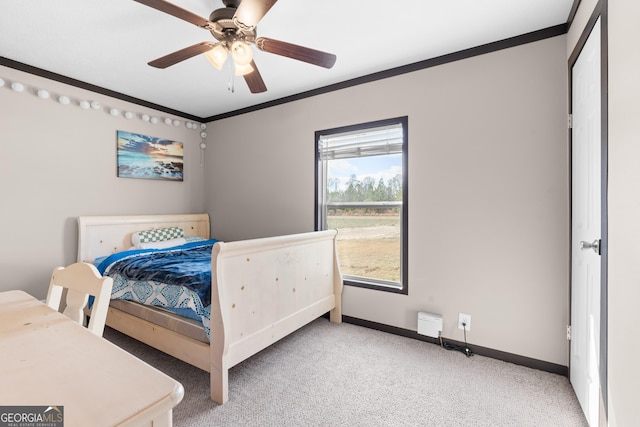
429, 324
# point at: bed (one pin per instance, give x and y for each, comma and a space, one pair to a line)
261, 290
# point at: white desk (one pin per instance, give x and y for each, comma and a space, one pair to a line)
47, 359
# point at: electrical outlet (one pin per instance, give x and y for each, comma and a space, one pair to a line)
466, 319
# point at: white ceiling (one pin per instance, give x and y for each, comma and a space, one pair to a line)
107, 43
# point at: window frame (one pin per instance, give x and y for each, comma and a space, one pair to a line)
404, 212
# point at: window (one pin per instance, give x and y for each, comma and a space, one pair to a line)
361, 191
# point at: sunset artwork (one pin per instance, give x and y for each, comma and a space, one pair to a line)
147, 157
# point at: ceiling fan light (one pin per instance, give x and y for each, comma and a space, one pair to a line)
243, 70
217, 56
242, 53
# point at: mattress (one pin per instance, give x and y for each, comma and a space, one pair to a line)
164, 318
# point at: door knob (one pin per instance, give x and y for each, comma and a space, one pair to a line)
595, 245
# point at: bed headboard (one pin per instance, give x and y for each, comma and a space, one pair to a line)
104, 235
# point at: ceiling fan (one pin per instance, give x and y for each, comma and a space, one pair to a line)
234, 28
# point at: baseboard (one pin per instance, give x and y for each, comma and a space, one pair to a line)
482, 351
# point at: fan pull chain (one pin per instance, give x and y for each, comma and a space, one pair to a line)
231, 83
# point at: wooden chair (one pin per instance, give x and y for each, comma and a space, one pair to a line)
81, 280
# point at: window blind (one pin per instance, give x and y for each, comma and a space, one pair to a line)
372, 142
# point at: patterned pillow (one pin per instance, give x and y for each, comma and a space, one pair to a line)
162, 244
156, 235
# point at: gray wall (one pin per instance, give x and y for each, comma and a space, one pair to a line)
59, 162
488, 195
624, 212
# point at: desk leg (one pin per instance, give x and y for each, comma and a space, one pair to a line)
165, 420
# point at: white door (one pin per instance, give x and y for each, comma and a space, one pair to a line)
586, 227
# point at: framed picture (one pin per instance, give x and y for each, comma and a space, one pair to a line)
147, 157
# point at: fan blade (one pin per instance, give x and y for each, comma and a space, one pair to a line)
177, 11
293, 51
254, 80
250, 12
182, 54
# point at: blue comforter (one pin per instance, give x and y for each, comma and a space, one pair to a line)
177, 278
188, 265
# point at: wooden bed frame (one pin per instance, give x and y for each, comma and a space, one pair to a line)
262, 290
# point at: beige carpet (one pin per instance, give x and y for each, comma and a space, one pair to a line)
347, 375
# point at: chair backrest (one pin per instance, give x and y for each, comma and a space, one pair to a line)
81, 281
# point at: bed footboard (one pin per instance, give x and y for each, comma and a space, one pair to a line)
264, 289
